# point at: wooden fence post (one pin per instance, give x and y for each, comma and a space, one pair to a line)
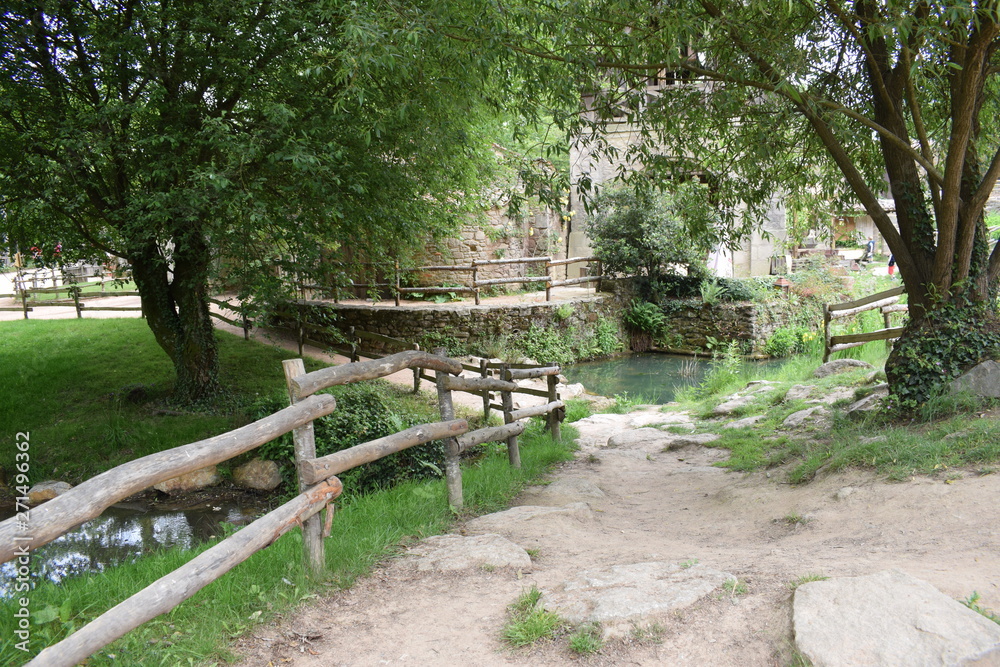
416, 373
76, 301
513, 451
600, 274
826, 332
475, 277
452, 466
397, 284
24, 300
555, 416
246, 327
484, 370
304, 439
548, 280
354, 344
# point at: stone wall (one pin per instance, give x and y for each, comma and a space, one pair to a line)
691, 322
465, 322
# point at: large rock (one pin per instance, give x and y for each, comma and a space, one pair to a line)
982, 380
446, 553
193, 481
562, 492
871, 402
889, 618
47, 490
618, 596
839, 366
258, 474
654, 440
528, 515
739, 401
810, 416
799, 392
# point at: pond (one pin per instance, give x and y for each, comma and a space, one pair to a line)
653, 376
126, 531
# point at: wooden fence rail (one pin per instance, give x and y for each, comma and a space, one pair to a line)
885, 301
474, 284
318, 485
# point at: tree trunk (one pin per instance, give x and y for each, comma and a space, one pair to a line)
175, 303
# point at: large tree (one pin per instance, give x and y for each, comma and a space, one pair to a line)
184, 136
859, 96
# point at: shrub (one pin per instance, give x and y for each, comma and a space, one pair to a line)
645, 317
789, 340
544, 345
364, 412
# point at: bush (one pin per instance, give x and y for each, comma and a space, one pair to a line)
789, 340
645, 317
364, 412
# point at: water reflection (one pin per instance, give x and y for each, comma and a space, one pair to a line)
122, 534
656, 377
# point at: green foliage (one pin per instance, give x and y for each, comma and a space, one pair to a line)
946, 341
972, 602
527, 622
645, 317
786, 341
431, 340
563, 312
544, 345
606, 339
364, 412
645, 234
711, 292
586, 640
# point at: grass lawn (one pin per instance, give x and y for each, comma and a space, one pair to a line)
92, 393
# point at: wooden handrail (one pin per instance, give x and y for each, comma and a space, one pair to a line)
310, 383
87, 500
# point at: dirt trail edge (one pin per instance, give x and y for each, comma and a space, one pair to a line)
656, 506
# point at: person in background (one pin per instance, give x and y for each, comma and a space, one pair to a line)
892, 264
869, 250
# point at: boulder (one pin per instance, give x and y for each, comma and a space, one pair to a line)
528, 515
746, 422
814, 415
872, 401
839, 366
889, 618
654, 440
448, 553
192, 481
258, 474
47, 490
799, 392
982, 380
622, 595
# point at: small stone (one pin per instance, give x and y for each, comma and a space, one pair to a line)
258, 474
192, 481
802, 417
746, 422
47, 490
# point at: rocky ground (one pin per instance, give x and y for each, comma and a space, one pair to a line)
682, 563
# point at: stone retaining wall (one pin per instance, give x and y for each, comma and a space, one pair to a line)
690, 322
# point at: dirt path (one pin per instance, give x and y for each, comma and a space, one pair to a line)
670, 507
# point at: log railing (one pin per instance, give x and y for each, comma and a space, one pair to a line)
318, 484
474, 285
75, 296
886, 302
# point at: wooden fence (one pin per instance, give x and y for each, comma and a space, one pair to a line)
75, 296
474, 284
886, 301
318, 484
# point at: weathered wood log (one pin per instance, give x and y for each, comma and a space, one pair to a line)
541, 393
333, 464
837, 314
476, 385
86, 501
881, 334
218, 317
529, 373
436, 290
535, 411
310, 383
508, 281
304, 443
452, 452
513, 449
896, 308
90, 307
571, 260
516, 260
492, 434
576, 281
443, 268
555, 416
167, 592
872, 298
